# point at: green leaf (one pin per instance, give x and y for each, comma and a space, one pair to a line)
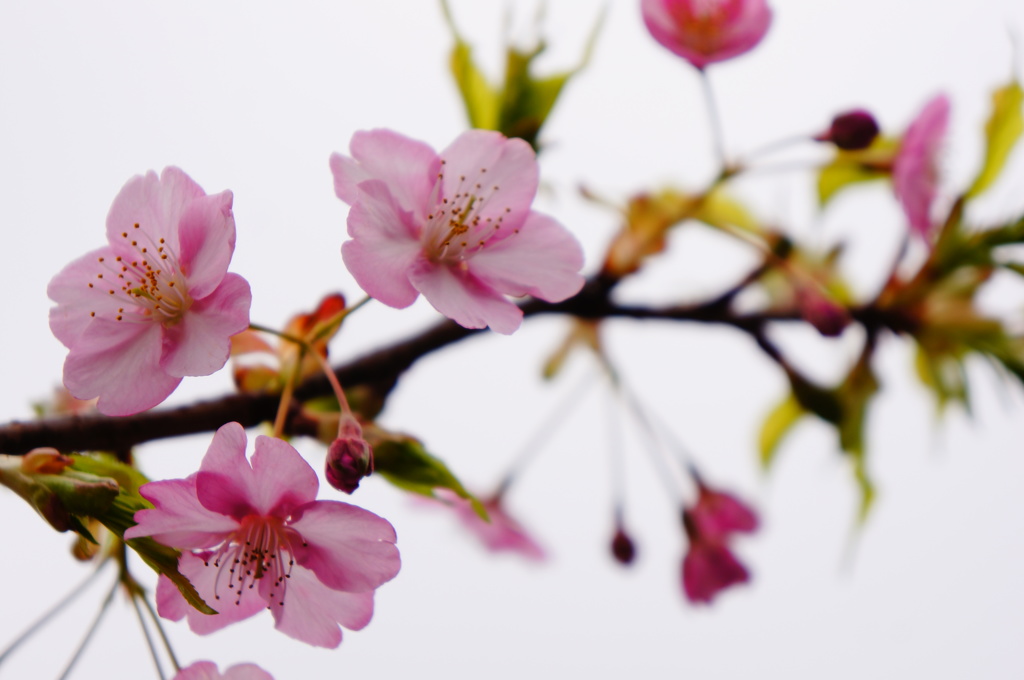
778, 423
1002, 130
519, 106
854, 395
943, 373
405, 463
855, 167
720, 210
121, 514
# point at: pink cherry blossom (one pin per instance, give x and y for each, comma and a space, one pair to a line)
502, 533
709, 565
156, 304
709, 568
915, 172
261, 540
717, 514
207, 670
455, 226
706, 31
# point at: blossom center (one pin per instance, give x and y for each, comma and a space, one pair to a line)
463, 223
146, 277
260, 549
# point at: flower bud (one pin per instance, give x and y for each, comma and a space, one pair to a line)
623, 548
851, 131
349, 457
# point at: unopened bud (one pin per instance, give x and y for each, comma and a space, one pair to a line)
623, 548
828, 317
44, 461
851, 131
349, 457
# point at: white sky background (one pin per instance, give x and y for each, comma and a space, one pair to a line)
254, 96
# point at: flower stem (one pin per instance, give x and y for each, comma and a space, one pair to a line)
716, 122
332, 378
53, 611
145, 633
163, 634
285, 403
93, 627
555, 418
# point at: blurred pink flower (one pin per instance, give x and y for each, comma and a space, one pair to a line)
915, 172
265, 542
455, 226
503, 533
709, 566
716, 514
157, 303
706, 31
207, 670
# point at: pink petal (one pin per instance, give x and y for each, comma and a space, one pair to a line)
224, 479
408, 168
718, 514
386, 245
277, 482
915, 168
206, 236
199, 344
502, 533
76, 301
348, 548
312, 612
212, 587
506, 170
155, 204
284, 481
207, 670
119, 363
464, 299
247, 671
178, 519
709, 568
542, 259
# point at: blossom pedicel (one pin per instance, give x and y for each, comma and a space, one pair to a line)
255, 537
455, 226
157, 303
706, 31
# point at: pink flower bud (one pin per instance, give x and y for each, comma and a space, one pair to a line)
623, 548
349, 458
851, 130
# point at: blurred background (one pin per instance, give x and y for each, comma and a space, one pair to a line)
254, 96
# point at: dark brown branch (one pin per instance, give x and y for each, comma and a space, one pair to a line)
379, 371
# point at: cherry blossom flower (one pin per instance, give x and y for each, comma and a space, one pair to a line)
261, 540
706, 31
455, 226
709, 566
717, 514
207, 670
915, 173
156, 304
502, 533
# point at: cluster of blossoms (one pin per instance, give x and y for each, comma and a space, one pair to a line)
157, 303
